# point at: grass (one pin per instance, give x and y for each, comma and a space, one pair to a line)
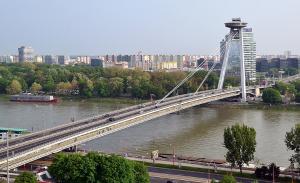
220, 172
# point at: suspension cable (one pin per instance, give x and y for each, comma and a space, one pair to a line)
187, 77
215, 63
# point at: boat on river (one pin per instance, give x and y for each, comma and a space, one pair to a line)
29, 97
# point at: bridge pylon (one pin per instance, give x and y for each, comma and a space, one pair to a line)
236, 33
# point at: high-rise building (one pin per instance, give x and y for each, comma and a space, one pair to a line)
249, 54
49, 59
96, 62
38, 59
25, 54
62, 60
7, 59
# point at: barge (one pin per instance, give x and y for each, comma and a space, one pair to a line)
28, 97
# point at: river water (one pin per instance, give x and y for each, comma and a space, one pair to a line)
194, 132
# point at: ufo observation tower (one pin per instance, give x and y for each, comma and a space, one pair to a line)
236, 33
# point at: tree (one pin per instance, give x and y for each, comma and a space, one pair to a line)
228, 179
49, 84
26, 177
261, 172
292, 141
297, 97
3, 84
101, 87
70, 168
273, 169
35, 87
240, 143
281, 87
271, 96
297, 85
265, 172
141, 174
14, 87
116, 86
64, 88
86, 87
112, 168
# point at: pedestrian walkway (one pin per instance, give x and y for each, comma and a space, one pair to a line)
178, 177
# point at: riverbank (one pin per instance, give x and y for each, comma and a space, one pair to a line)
116, 100
257, 105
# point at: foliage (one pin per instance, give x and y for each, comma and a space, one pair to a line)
3, 84
265, 172
141, 173
95, 167
26, 177
69, 168
228, 179
273, 169
35, 87
240, 143
297, 85
297, 97
291, 71
231, 81
112, 169
285, 88
292, 141
90, 81
261, 172
271, 96
14, 87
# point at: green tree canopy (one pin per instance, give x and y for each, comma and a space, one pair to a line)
14, 87
70, 168
292, 141
271, 96
95, 167
35, 87
26, 177
228, 179
113, 169
141, 173
240, 142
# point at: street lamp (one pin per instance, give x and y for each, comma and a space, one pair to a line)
173, 153
7, 155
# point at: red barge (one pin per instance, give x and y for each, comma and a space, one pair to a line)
28, 97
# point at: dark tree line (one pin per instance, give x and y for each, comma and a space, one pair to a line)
90, 81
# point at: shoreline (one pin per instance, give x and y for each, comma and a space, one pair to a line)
216, 104
258, 106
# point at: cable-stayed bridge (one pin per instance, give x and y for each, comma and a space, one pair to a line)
30, 147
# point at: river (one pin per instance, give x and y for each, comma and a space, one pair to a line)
194, 132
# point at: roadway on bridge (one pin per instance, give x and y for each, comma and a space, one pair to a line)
28, 143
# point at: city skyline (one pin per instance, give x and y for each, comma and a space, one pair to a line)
156, 27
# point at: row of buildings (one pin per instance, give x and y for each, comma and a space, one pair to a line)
139, 60
265, 64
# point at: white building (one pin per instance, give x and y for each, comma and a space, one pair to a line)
249, 54
7, 59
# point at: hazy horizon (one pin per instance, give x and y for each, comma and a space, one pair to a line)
98, 27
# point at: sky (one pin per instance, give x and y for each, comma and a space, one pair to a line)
96, 27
